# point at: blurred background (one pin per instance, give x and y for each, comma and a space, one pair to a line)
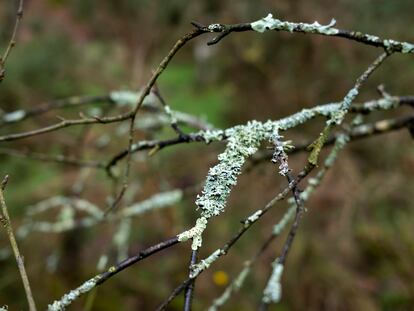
355, 248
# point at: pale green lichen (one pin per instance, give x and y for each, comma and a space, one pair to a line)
339, 115
278, 228
157, 201
242, 142
68, 298
273, 290
407, 47
194, 233
254, 217
14, 116
120, 239
385, 103
270, 23
404, 47
171, 114
129, 98
372, 38
205, 263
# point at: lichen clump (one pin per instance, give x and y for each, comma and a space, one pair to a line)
273, 290
243, 141
270, 23
68, 298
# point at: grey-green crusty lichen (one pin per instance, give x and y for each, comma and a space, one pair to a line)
270, 23
194, 233
157, 201
339, 115
273, 290
205, 263
68, 298
242, 142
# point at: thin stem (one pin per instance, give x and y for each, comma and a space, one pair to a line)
5, 220
12, 42
188, 294
246, 225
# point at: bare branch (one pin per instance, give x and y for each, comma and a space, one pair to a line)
5, 220
12, 42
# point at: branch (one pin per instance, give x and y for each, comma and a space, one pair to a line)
269, 23
99, 279
61, 159
246, 225
188, 294
12, 42
74, 101
5, 220
66, 123
161, 67
357, 133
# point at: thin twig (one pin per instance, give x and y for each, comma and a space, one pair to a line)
188, 294
246, 225
61, 159
5, 220
12, 42
164, 63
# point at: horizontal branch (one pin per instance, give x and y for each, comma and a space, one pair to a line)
270, 23
68, 298
61, 159
359, 132
66, 123
367, 107
74, 101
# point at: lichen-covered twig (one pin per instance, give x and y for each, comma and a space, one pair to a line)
243, 141
5, 220
269, 23
238, 281
204, 264
12, 42
146, 90
361, 131
73, 101
272, 293
338, 116
66, 219
87, 286
358, 132
297, 118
